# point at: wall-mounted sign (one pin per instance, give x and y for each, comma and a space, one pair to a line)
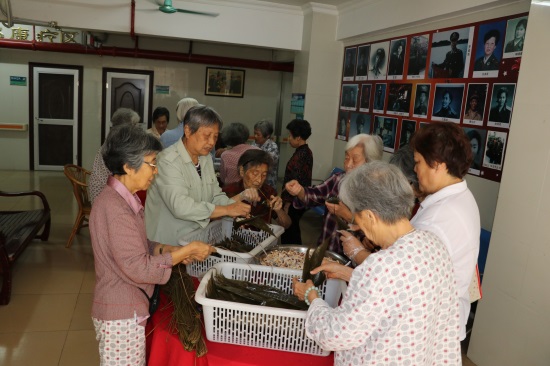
297, 103
18, 80
162, 89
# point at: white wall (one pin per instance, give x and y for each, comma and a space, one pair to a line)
512, 320
262, 89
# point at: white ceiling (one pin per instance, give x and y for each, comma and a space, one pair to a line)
303, 2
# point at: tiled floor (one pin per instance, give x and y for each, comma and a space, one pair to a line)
48, 320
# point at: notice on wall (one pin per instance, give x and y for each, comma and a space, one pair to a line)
162, 89
18, 80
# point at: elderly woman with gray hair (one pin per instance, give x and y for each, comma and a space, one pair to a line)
186, 194
127, 263
263, 130
100, 172
234, 136
401, 304
360, 149
253, 167
404, 160
170, 137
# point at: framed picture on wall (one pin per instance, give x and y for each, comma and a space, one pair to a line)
447, 105
450, 53
378, 61
475, 104
386, 128
349, 97
224, 82
489, 49
399, 99
477, 138
342, 125
397, 58
126, 88
502, 102
515, 36
418, 55
362, 68
359, 123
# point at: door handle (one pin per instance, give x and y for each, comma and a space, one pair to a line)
39, 119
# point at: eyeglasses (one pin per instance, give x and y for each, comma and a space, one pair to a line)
153, 166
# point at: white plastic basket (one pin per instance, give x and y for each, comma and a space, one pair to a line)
218, 230
261, 326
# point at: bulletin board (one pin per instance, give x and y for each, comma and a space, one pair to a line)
465, 74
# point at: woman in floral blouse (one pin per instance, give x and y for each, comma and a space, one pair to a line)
401, 304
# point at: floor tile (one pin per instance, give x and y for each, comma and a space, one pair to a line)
81, 348
32, 348
82, 318
37, 313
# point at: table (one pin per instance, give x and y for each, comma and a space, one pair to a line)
164, 348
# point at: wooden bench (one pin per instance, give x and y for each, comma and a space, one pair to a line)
17, 230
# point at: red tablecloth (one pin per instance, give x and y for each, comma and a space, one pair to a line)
165, 349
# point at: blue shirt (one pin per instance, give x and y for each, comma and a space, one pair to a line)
170, 137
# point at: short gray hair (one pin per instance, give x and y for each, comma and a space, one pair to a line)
235, 134
183, 106
379, 187
404, 160
201, 116
265, 127
128, 144
372, 145
123, 116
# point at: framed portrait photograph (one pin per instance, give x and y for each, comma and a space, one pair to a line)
386, 128
397, 58
223, 82
126, 88
494, 150
408, 128
364, 104
447, 105
515, 36
399, 99
421, 100
342, 125
418, 56
489, 49
475, 104
502, 103
379, 98
348, 99
450, 53
361, 72
360, 123
477, 138
350, 58
378, 63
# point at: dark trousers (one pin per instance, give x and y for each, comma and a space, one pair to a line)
292, 235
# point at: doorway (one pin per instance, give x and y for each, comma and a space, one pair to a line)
126, 88
55, 125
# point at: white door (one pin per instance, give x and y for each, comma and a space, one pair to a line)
55, 117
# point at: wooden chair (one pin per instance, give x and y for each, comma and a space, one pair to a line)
79, 179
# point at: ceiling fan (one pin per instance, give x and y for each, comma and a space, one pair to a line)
169, 9
8, 20
5, 10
